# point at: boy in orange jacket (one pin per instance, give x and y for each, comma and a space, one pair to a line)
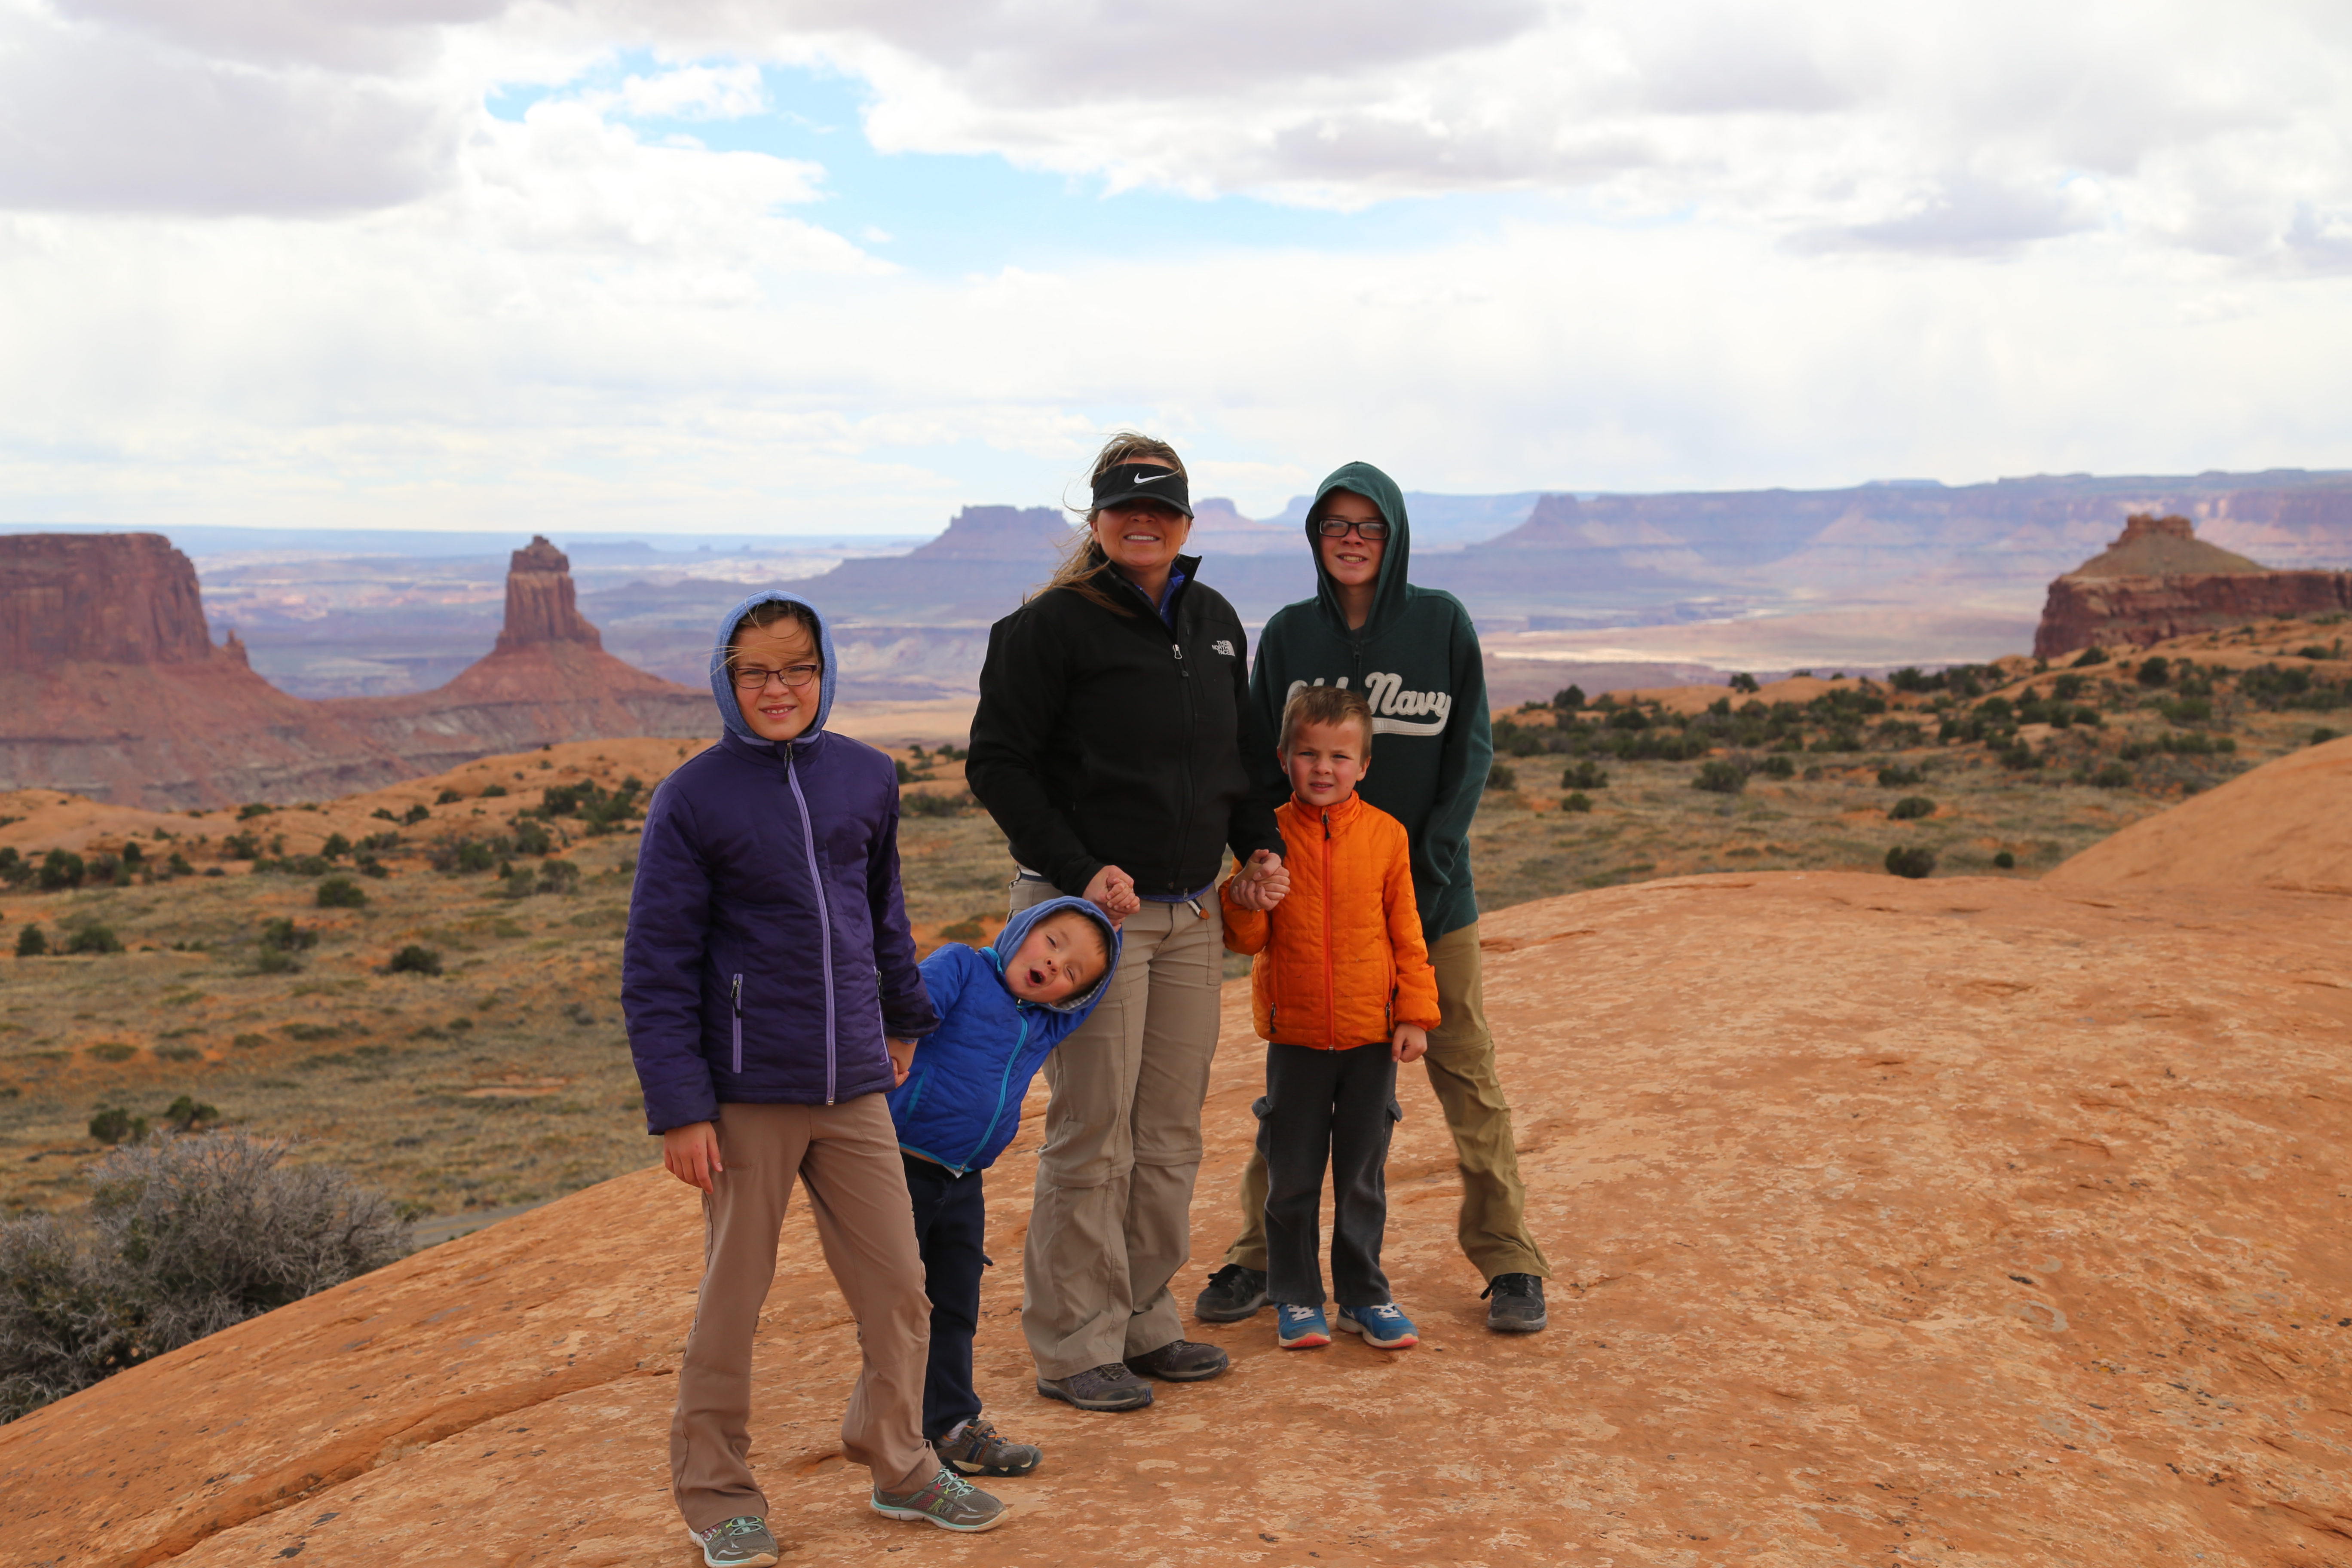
1342, 991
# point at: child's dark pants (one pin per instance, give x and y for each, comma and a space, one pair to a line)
950, 1226
1336, 1107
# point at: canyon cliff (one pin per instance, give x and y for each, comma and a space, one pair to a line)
2159, 580
111, 687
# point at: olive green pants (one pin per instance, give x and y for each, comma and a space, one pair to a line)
1493, 1227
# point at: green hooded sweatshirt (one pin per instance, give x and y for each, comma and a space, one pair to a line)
1417, 661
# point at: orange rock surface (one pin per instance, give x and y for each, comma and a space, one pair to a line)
2287, 824
1971, 1222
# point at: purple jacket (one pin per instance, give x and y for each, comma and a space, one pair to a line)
768, 953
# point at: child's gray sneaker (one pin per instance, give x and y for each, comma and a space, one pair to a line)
1110, 1386
949, 1502
740, 1543
1515, 1304
976, 1449
1233, 1293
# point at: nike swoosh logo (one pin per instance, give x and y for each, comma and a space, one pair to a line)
1168, 474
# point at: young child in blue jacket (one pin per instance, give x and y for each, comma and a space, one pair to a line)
1001, 1008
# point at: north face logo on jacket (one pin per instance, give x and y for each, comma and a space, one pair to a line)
1395, 710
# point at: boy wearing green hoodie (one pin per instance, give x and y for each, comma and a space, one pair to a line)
1414, 655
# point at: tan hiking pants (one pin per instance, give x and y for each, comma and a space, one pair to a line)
1493, 1224
848, 1156
1112, 1222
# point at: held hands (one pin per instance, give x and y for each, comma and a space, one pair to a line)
692, 1153
902, 1060
1261, 884
1410, 1044
1112, 891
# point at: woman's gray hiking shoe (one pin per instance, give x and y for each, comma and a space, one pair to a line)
1180, 1360
1233, 1293
977, 1451
740, 1543
949, 1502
1516, 1304
1110, 1387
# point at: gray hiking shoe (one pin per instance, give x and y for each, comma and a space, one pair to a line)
1180, 1360
1233, 1293
949, 1502
977, 1451
740, 1543
1107, 1387
1516, 1304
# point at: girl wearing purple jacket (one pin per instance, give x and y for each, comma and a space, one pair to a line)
772, 1001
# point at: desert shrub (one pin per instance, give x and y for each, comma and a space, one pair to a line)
31, 942
1911, 860
955, 805
61, 869
414, 959
1895, 778
1720, 778
1630, 719
559, 877
1585, 774
602, 810
2019, 757
116, 1125
1839, 740
2069, 687
1576, 800
245, 845
531, 838
1910, 808
906, 774
2322, 735
185, 1112
447, 798
341, 893
2313, 650
2114, 775
415, 815
1778, 766
114, 1050
336, 847
177, 866
1500, 777
188, 1235
2155, 671
2005, 861
93, 939
251, 809
1745, 682
287, 937
494, 792
2090, 655
1567, 700
1912, 679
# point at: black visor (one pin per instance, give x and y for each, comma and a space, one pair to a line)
1141, 481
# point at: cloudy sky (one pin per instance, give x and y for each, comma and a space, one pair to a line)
812, 265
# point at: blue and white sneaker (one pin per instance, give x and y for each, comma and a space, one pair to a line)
1383, 1326
1300, 1328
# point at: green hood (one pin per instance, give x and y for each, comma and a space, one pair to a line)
1389, 592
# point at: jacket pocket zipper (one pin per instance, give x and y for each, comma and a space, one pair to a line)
739, 1024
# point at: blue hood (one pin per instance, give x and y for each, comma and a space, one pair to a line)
1017, 931
722, 685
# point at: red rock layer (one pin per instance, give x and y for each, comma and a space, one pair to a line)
1968, 1221
113, 598
542, 606
2113, 612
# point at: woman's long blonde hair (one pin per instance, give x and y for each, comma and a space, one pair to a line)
1083, 562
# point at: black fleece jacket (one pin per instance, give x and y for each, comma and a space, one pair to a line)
1104, 739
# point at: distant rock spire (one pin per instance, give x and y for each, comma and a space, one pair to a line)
541, 605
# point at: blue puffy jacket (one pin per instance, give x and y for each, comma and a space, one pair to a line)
962, 1103
768, 953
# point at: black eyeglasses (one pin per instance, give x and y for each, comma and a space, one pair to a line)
794, 677
1371, 533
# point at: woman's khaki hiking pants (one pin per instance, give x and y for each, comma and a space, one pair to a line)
1112, 1221
1493, 1224
848, 1157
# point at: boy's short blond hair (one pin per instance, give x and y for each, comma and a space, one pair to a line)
1326, 705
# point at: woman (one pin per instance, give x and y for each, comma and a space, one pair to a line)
1114, 717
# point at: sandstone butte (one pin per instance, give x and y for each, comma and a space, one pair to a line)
2160, 581
111, 687
1967, 1221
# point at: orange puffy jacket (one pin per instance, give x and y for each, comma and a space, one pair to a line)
1340, 961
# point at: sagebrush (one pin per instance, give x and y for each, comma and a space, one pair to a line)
184, 1236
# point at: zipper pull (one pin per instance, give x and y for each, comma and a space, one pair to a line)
738, 995
1179, 648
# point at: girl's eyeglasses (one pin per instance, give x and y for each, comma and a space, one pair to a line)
1337, 528
752, 679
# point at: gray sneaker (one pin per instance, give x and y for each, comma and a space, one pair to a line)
949, 1502
1233, 1293
1515, 1304
1107, 1387
978, 1450
1180, 1360
740, 1543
